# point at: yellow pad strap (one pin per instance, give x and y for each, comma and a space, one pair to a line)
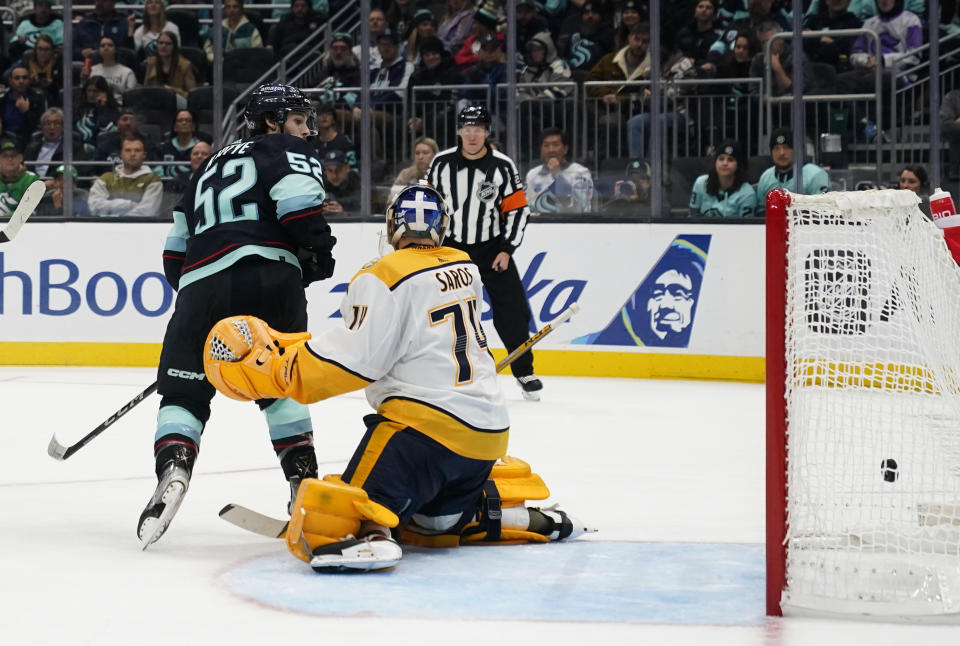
326, 511
423, 540
507, 537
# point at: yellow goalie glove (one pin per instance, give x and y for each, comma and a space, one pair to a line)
246, 359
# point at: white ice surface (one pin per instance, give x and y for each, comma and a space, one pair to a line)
645, 461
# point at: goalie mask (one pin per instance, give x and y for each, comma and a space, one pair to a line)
276, 101
418, 211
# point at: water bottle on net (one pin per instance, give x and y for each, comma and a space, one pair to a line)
942, 209
944, 214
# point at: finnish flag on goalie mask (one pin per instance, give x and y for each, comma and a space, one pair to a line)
660, 312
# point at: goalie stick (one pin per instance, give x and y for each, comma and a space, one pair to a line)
25, 208
254, 521
58, 451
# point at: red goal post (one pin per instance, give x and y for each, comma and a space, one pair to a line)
776, 451
862, 409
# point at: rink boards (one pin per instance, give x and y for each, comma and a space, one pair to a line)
93, 293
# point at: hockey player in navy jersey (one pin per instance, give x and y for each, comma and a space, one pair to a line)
412, 339
247, 238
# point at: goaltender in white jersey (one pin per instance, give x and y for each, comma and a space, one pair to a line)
426, 465
412, 338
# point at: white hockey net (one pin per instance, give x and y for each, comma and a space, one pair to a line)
872, 349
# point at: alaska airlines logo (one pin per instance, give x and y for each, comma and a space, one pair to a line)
551, 295
661, 310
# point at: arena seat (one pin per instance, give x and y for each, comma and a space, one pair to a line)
188, 24
155, 105
244, 65
200, 102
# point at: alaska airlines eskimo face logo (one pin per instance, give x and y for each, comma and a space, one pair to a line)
661, 310
670, 304
486, 191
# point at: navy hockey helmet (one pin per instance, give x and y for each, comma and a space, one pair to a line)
276, 101
418, 211
474, 115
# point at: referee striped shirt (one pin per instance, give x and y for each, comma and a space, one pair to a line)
485, 195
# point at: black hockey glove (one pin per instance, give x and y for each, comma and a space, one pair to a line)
315, 266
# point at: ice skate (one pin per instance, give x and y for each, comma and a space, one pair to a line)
373, 552
555, 524
173, 480
163, 504
530, 387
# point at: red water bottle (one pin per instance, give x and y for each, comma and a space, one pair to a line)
942, 209
87, 66
944, 214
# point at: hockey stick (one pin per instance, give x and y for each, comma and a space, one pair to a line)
25, 208
58, 451
563, 317
253, 521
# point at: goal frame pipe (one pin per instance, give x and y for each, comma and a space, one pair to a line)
776, 422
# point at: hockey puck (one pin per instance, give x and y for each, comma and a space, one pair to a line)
888, 468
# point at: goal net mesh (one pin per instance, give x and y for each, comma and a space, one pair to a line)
872, 345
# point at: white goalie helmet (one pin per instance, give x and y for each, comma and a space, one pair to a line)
418, 211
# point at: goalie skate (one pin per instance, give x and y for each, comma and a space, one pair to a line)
557, 525
163, 505
374, 552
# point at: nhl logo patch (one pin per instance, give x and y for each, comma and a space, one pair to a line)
486, 191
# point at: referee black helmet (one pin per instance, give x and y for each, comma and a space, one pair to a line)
474, 115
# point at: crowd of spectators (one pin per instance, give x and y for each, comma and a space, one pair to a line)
420, 51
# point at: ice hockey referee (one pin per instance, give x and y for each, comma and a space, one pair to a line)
488, 217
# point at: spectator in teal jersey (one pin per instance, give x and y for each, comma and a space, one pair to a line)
238, 31
96, 113
178, 143
41, 21
780, 175
724, 191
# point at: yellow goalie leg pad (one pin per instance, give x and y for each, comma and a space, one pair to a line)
516, 484
326, 511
